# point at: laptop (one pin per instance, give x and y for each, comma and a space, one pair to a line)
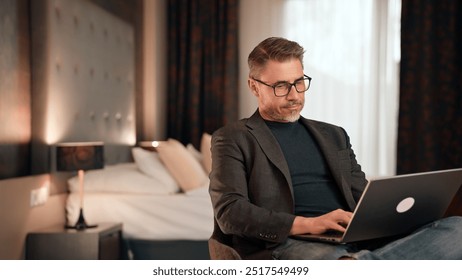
397, 205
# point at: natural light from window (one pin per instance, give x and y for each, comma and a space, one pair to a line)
352, 54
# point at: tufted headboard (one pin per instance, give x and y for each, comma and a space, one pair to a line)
83, 77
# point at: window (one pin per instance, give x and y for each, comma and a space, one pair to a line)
352, 54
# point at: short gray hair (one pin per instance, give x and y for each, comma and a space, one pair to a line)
273, 48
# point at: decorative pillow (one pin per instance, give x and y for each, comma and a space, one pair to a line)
121, 178
206, 144
202, 191
194, 152
150, 164
186, 170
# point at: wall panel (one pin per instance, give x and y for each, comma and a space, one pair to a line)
15, 112
83, 65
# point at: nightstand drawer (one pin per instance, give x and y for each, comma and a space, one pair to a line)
59, 243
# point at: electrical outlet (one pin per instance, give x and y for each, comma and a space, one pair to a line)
39, 196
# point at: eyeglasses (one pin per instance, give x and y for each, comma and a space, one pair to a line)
282, 89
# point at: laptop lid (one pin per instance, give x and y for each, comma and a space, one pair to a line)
397, 205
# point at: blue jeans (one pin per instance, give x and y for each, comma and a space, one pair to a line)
439, 240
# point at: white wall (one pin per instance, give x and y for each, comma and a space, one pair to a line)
252, 32
17, 217
154, 69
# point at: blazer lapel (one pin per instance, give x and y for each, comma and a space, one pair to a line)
269, 144
332, 158
328, 150
270, 147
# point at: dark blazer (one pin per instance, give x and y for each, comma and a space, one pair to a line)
251, 187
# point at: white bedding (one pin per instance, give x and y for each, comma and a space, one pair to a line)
152, 217
149, 203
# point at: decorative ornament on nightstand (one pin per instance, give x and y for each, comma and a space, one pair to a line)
80, 156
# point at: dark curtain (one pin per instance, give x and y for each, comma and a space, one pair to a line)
430, 113
202, 67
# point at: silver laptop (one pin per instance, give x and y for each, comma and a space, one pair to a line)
397, 205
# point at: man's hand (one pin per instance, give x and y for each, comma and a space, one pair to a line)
335, 220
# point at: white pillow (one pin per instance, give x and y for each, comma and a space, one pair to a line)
150, 164
121, 178
186, 170
206, 144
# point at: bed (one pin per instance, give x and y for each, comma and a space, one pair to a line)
161, 198
90, 87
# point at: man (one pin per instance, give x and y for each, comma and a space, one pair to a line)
277, 174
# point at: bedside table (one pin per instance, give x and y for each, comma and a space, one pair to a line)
103, 242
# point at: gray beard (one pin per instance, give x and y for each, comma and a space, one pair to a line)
292, 118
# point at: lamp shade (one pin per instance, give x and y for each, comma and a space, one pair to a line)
79, 156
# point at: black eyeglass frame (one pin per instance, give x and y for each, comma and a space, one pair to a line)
305, 77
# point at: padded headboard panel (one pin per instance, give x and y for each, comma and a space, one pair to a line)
83, 66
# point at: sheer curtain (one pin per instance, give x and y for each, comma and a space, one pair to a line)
352, 54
